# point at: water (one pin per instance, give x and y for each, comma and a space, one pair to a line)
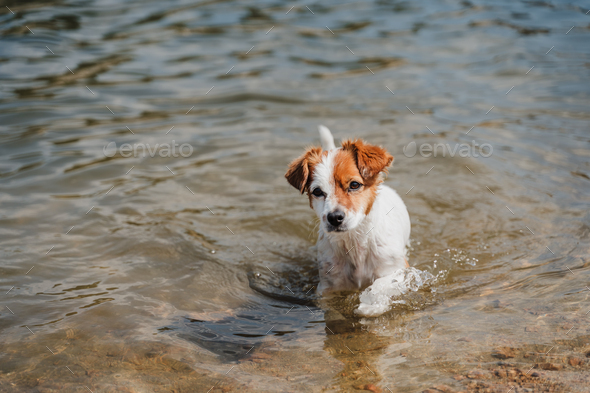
163, 273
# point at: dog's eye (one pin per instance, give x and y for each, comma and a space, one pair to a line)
317, 192
355, 185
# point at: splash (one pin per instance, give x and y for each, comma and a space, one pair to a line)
386, 292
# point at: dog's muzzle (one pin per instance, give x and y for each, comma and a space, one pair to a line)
336, 218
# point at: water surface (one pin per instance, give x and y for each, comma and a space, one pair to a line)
159, 274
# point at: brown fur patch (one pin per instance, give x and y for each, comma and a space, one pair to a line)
345, 172
299, 172
361, 162
370, 159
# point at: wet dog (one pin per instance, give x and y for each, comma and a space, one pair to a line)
364, 225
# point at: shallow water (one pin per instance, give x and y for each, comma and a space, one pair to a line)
196, 273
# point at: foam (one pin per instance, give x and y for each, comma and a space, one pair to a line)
387, 291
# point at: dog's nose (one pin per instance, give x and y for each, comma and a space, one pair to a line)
335, 218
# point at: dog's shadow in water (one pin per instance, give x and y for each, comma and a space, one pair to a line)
237, 335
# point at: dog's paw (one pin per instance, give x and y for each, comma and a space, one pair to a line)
378, 298
388, 291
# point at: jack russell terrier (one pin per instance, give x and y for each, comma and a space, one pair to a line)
364, 225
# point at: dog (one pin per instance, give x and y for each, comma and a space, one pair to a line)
364, 226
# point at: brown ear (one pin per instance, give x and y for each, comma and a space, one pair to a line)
370, 159
299, 170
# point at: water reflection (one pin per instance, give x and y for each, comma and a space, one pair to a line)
358, 349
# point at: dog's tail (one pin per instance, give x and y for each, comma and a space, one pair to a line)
326, 138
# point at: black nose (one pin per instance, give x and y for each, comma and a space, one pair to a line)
336, 218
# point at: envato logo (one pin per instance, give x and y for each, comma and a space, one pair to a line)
144, 149
463, 150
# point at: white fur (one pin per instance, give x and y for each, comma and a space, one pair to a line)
326, 138
374, 248
371, 246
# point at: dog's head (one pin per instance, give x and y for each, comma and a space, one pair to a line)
341, 183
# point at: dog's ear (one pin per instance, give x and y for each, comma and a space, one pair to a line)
370, 159
299, 170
